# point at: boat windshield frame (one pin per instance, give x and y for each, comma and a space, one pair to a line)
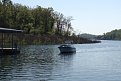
65, 45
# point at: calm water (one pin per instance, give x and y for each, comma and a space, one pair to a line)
92, 62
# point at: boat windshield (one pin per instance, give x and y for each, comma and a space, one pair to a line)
65, 45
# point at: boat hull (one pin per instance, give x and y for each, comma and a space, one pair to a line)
67, 49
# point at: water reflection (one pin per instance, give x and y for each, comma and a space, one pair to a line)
67, 56
40, 60
38, 54
33, 62
92, 62
7, 64
39, 63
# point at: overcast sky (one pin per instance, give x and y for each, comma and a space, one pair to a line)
90, 16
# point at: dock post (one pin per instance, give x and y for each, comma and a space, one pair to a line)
2, 43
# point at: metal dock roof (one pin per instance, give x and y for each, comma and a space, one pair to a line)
8, 30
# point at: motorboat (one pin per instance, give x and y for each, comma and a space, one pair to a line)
66, 48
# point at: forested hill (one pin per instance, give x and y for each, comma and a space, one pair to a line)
42, 25
88, 36
113, 35
37, 20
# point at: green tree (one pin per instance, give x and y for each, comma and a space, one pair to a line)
37, 20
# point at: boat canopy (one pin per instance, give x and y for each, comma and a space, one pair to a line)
8, 30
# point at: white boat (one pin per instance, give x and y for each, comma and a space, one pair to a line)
67, 48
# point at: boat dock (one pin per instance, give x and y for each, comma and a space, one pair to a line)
9, 41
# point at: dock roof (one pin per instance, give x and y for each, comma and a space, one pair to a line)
8, 30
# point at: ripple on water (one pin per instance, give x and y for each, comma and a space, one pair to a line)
92, 62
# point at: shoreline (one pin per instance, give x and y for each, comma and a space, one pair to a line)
29, 39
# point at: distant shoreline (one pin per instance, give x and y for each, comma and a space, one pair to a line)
54, 39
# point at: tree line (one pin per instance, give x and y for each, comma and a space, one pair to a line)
40, 25
113, 35
35, 21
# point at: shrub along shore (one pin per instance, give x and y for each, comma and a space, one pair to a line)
54, 39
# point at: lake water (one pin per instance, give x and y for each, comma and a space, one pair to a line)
92, 62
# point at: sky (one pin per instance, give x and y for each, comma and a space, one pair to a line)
90, 16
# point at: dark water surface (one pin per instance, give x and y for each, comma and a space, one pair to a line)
92, 62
